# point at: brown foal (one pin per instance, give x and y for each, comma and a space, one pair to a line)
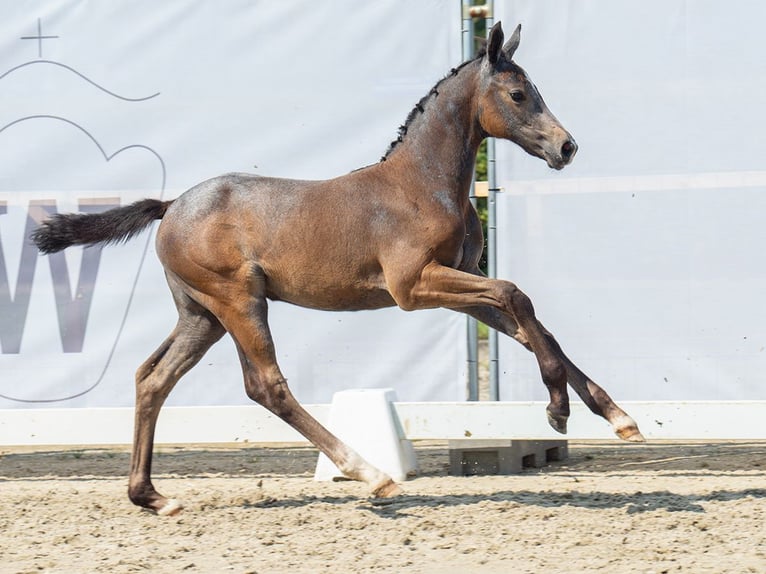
400, 232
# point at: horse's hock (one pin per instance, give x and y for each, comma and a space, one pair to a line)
469, 457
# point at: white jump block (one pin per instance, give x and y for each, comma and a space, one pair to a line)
366, 420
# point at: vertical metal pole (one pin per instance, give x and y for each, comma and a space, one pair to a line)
473, 328
494, 372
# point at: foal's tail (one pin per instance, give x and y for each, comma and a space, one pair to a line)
111, 226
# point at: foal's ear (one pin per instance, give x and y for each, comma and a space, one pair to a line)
494, 43
510, 47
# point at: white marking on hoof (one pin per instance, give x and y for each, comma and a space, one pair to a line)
388, 489
627, 429
635, 437
172, 508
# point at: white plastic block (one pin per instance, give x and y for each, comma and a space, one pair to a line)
365, 420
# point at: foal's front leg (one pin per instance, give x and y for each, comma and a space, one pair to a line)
440, 286
502, 306
557, 410
596, 398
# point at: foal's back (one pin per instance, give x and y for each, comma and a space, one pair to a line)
312, 243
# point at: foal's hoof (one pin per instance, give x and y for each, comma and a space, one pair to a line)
388, 489
627, 429
630, 434
558, 422
171, 508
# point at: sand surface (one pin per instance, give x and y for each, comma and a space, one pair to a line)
610, 507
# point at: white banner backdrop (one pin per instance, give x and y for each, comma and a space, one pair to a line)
645, 257
103, 103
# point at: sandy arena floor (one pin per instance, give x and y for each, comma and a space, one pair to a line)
611, 507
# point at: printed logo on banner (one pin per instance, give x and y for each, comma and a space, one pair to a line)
61, 315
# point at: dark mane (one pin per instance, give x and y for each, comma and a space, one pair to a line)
420, 106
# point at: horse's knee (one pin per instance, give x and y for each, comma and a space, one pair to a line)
518, 302
554, 372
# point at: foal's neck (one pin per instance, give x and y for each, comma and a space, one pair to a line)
441, 142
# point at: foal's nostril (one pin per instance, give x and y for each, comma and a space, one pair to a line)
568, 149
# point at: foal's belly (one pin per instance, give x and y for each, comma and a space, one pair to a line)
332, 298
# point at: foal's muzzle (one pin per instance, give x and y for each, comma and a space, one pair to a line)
568, 150
564, 155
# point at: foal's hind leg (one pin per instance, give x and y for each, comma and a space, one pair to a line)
195, 332
265, 384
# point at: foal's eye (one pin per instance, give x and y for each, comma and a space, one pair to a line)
518, 96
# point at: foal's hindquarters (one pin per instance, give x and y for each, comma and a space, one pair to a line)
217, 288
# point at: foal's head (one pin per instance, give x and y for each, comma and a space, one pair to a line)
510, 106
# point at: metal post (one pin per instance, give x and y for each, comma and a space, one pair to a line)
494, 371
473, 328
494, 380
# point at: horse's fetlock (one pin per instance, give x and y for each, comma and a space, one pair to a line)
141, 494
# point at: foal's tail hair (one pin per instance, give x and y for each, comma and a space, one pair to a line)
112, 226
